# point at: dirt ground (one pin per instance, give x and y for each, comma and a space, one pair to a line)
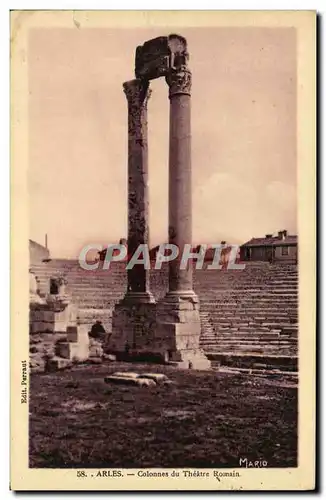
201, 419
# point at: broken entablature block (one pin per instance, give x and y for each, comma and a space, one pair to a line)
157, 57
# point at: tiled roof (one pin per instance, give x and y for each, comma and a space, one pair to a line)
273, 241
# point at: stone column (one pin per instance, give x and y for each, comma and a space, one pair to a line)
178, 321
137, 92
133, 319
180, 191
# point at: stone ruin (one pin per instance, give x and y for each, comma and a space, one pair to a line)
171, 327
168, 330
56, 339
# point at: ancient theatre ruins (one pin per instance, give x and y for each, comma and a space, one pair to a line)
171, 327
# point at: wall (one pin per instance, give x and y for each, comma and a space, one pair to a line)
259, 253
292, 253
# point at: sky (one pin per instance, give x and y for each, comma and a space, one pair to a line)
243, 135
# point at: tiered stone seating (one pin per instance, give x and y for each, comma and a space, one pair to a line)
248, 316
254, 315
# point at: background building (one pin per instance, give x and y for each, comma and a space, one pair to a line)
282, 247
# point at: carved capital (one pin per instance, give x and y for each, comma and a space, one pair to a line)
179, 82
137, 92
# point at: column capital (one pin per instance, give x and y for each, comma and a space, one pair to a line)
179, 82
137, 92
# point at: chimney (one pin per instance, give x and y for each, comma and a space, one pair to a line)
46, 241
280, 235
285, 233
223, 242
268, 236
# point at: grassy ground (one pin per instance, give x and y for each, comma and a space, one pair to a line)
203, 419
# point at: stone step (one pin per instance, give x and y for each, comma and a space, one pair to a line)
250, 352
219, 303
263, 370
223, 327
243, 316
266, 337
273, 333
285, 363
248, 341
89, 296
253, 290
259, 340
251, 322
258, 309
248, 345
88, 313
263, 298
217, 275
199, 279
210, 294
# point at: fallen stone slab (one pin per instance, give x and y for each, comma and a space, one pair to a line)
159, 378
126, 374
145, 381
140, 382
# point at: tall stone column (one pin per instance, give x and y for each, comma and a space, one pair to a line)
178, 321
133, 318
137, 92
180, 190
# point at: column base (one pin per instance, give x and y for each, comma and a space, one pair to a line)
194, 360
133, 327
178, 330
138, 298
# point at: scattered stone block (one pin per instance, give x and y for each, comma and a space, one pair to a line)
57, 363
74, 351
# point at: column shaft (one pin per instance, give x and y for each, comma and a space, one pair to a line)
137, 93
180, 185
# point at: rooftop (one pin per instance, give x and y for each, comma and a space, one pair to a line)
283, 239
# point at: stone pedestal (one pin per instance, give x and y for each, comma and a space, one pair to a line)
133, 328
133, 317
178, 330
